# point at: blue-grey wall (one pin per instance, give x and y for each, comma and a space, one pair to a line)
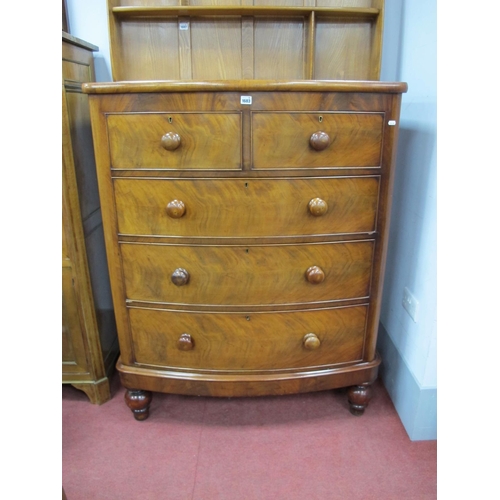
408, 348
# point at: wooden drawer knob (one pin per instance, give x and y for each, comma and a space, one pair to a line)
317, 207
176, 209
171, 141
319, 140
185, 342
315, 275
180, 277
311, 341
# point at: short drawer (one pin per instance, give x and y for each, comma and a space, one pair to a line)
315, 140
248, 341
175, 140
246, 207
247, 275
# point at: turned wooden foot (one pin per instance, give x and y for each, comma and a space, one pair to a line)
359, 396
138, 401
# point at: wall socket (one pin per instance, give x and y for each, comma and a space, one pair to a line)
410, 303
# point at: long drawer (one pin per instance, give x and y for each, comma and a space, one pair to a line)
234, 341
175, 141
246, 207
303, 139
247, 275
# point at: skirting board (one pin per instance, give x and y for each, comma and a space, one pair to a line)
416, 407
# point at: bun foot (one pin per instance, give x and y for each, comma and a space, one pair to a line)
359, 396
138, 401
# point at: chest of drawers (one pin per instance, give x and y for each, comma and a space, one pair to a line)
246, 227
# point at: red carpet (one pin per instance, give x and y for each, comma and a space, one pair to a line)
300, 447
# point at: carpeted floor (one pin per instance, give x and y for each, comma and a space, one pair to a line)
300, 447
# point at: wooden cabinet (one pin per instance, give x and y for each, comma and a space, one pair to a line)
246, 227
89, 340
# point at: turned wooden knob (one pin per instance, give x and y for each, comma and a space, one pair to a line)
315, 275
176, 209
319, 140
317, 206
180, 277
185, 342
171, 141
311, 341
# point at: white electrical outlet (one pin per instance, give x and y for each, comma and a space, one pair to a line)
410, 303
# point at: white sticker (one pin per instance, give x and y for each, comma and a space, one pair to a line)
183, 26
246, 99
392, 123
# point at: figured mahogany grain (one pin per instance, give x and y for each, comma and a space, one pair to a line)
248, 341
282, 140
234, 275
137, 140
247, 383
246, 207
253, 322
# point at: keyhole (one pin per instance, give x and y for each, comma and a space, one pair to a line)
247, 250
246, 184
248, 318
320, 119
170, 119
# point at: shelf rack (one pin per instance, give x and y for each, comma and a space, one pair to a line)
217, 41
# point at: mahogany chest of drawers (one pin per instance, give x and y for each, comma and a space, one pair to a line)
246, 227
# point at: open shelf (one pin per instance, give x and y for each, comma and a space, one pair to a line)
235, 39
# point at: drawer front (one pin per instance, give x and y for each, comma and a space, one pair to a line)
175, 141
244, 275
288, 140
234, 341
247, 207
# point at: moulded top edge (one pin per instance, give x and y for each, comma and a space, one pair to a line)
152, 86
79, 42
174, 10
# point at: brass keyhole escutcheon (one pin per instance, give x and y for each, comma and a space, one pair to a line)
320, 119
170, 120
